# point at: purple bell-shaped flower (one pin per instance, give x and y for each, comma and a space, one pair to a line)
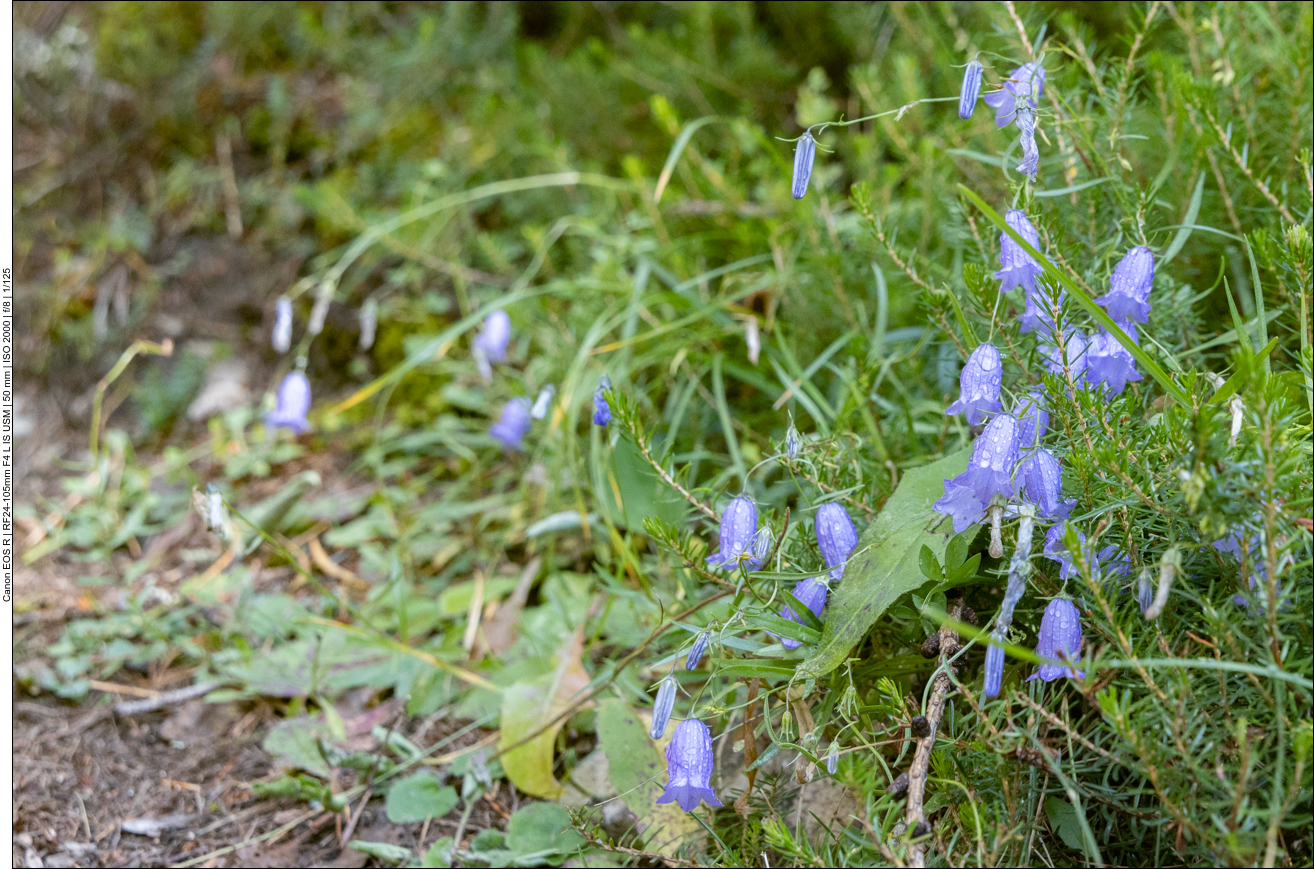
1109, 363
980, 381
1073, 351
490, 343
1023, 87
601, 410
1042, 484
971, 89
805, 152
1129, 289
1017, 268
1110, 559
836, 536
989, 473
1026, 125
1060, 639
513, 425
811, 592
281, 340
738, 536
689, 766
292, 403
1032, 418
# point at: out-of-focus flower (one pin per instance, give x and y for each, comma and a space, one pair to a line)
832, 758
804, 155
490, 343
752, 339
292, 403
811, 592
1038, 316
1042, 484
989, 473
1032, 418
979, 385
513, 425
696, 653
543, 402
836, 536
738, 534
282, 337
689, 766
1024, 86
601, 411
1017, 267
971, 89
1144, 591
1026, 126
1073, 352
1129, 289
662, 706
1109, 363
369, 323
1060, 639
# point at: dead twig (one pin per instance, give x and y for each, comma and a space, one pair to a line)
920, 769
162, 699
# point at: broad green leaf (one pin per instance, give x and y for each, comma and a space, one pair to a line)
638, 771
642, 493
384, 851
542, 829
439, 855
526, 706
930, 566
294, 742
1188, 223
886, 563
419, 797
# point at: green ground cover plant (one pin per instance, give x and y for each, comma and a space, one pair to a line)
652, 398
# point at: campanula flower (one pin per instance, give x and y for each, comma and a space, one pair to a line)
292, 403
804, 155
1026, 126
738, 535
762, 541
1071, 351
1109, 559
1032, 418
696, 653
1042, 484
1129, 289
369, 323
811, 592
1038, 316
490, 343
689, 766
662, 706
971, 89
1060, 639
1017, 267
601, 410
543, 402
513, 425
979, 385
792, 441
1109, 363
832, 758
282, 337
989, 474
1023, 87
994, 665
836, 536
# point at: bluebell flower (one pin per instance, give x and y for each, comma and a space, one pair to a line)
490, 343
1129, 289
811, 592
1024, 86
1042, 484
1017, 267
979, 385
1110, 560
1073, 351
836, 537
1026, 126
696, 653
994, 665
738, 535
369, 324
1144, 591
1109, 364
989, 474
971, 89
601, 411
281, 340
1038, 315
1032, 418
292, 403
793, 442
513, 425
689, 766
543, 402
1060, 640
662, 706
804, 154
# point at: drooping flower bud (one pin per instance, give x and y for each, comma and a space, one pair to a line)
662, 706
1144, 590
543, 402
793, 442
1060, 640
738, 534
1017, 267
994, 665
989, 473
601, 410
805, 152
1109, 363
696, 653
490, 343
980, 381
689, 766
836, 536
292, 403
1042, 484
1023, 87
1129, 289
762, 541
810, 592
513, 424
971, 89
832, 758
282, 337
369, 323
1032, 418
1026, 126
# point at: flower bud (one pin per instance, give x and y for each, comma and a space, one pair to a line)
543, 402
804, 154
369, 323
971, 89
696, 653
994, 666
832, 758
662, 706
282, 337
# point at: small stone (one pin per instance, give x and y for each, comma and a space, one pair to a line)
968, 615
